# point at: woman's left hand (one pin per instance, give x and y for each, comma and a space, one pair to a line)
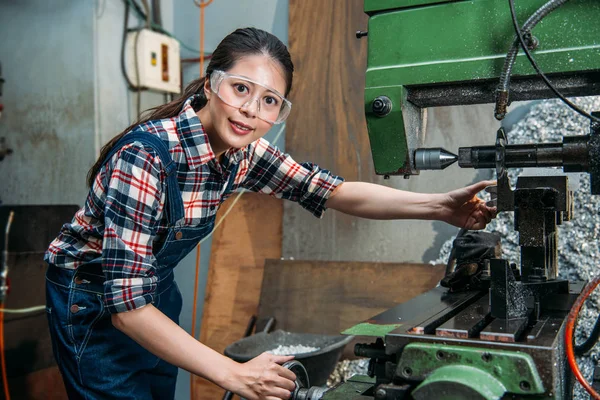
462, 207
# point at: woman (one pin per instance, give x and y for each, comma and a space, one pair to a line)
113, 307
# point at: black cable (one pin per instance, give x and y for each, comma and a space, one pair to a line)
156, 13
513, 14
581, 349
530, 23
159, 28
137, 7
147, 14
503, 89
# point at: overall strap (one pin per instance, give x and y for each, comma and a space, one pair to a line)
232, 176
174, 204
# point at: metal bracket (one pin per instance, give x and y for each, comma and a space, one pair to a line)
515, 371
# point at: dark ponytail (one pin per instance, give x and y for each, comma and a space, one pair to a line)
163, 111
242, 42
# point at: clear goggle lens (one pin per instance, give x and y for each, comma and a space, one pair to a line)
238, 91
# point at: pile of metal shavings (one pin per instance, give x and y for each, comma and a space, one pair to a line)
346, 369
578, 245
282, 350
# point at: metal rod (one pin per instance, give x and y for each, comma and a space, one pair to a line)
573, 154
4, 270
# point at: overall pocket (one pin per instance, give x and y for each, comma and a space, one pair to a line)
85, 309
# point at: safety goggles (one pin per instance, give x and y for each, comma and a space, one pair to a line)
239, 91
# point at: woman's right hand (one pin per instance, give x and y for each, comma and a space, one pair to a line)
263, 378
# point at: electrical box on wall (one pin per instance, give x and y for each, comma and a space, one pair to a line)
158, 65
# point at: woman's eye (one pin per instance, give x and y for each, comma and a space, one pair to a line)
241, 88
271, 101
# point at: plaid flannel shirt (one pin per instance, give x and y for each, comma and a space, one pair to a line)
123, 214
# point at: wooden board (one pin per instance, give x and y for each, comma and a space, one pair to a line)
329, 297
250, 234
327, 125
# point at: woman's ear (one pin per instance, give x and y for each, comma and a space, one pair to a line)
207, 91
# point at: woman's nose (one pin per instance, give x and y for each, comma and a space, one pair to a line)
249, 108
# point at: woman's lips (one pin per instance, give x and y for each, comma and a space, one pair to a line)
239, 128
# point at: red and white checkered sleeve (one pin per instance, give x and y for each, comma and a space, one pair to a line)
275, 173
133, 208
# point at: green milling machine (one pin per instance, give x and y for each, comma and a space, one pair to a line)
501, 335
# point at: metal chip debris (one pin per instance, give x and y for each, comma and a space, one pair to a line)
346, 369
292, 350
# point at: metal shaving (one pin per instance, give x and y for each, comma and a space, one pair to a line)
292, 350
346, 369
549, 121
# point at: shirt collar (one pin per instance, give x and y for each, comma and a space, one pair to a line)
235, 155
194, 139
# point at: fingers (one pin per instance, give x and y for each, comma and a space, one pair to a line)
279, 393
285, 373
486, 216
283, 396
479, 186
284, 383
475, 224
279, 387
487, 213
287, 376
280, 359
268, 379
480, 217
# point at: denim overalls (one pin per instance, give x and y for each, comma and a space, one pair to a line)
96, 360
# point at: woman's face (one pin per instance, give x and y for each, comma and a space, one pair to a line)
229, 126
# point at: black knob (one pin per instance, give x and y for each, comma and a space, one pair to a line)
360, 34
382, 106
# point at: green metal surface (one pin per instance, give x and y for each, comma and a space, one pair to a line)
372, 6
387, 137
460, 41
353, 389
468, 40
459, 382
514, 371
367, 329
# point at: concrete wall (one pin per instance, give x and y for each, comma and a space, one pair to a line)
64, 95
48, 63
